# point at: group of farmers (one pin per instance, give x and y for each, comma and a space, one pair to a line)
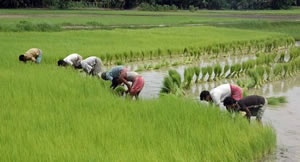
231, 95
93, 66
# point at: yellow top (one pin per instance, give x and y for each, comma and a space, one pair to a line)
32, 54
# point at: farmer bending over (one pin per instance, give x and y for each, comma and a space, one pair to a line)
92, 65
253, 106
114, 75
218, 94
137, 82
73, 60
33, 54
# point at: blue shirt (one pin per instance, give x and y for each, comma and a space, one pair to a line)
114, 73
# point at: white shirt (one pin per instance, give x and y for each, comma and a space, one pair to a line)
73, 59
89, 63
219, 93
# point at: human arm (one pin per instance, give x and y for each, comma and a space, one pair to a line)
248, 113
68, 61
124, 80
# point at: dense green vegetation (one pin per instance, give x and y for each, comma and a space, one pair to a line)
49, 113
55, 114
122, 44
291, 28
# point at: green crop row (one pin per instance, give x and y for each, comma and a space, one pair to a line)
214, 50
266, 67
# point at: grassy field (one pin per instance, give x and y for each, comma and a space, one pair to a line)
56, 45
57, 114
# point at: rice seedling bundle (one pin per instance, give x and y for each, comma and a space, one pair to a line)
226, 68
238, 68
204, 73
261, 72
188, 76
268, 72
176, 78
210, 72
197, 73
276, 100
217, 71
278, 71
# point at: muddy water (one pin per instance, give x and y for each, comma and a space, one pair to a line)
155, 78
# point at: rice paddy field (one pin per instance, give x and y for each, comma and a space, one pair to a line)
50, 113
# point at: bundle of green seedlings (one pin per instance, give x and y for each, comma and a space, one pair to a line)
172, 84
188, 77
276, 100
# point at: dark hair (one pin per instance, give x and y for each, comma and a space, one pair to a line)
229, 101
203, 95
103, 76
22, 58
61, 62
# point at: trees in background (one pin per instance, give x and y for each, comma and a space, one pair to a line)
128, 4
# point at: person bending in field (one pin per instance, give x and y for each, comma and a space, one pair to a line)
33, 54
253, 106
92, 65
73, 59
137, 82
218, 94
114, 75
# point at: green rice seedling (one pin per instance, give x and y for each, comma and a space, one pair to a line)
238, 69
276, 100
143, 55
185, 51
120, 63
260, 60
281, 57
157, 66
268, 73
169, 53
151, 55
125, 56
159, 53
107, 58
277, 71
137, 56
149, 67
131, 56
231, 72
245, 66
225, 70
119, 90
197, 73
209, 72
217, 71
188, 76
252, 73
175, 77
204, 73
251, 63
168, 85
261, 72
175, 63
